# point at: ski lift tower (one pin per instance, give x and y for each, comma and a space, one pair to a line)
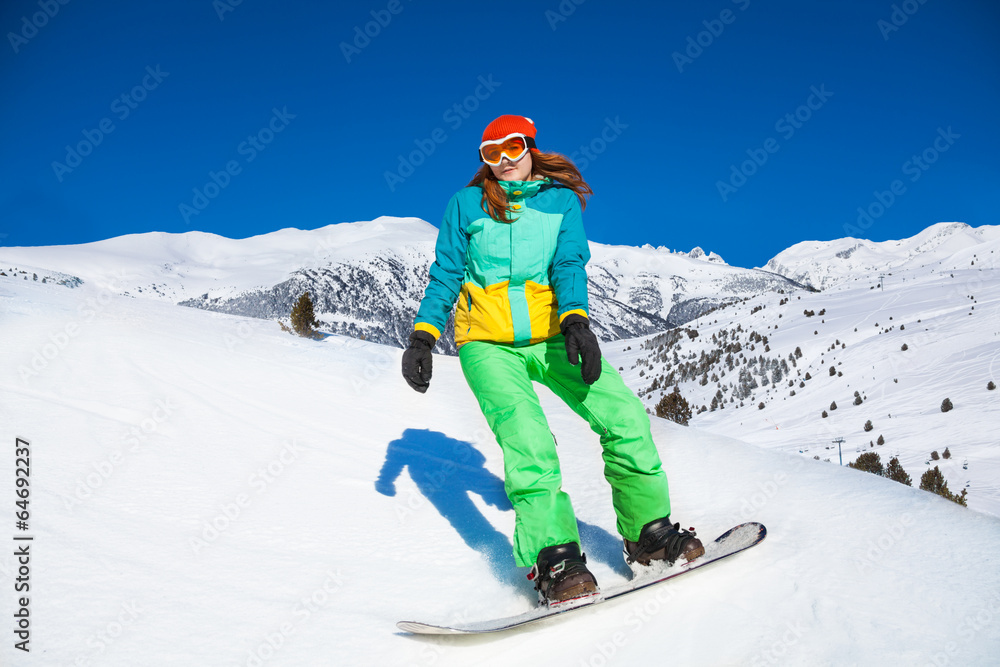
881, 281
839, 442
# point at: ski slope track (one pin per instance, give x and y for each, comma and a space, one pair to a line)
207, 490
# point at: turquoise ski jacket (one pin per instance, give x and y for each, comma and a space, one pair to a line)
514, 281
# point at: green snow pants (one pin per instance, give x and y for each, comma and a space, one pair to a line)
501, 378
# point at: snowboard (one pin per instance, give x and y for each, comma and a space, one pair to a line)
736, 539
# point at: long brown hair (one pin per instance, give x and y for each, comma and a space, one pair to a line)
551, 165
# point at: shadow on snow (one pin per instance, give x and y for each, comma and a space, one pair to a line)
447, 472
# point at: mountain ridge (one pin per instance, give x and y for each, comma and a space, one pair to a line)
366, 278
822, 264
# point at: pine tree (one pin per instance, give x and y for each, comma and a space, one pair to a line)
868, 425
947, 453
933, 481
674, 407
946, 405
895, 472
869, 462
303, 319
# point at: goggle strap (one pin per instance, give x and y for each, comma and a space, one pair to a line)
529, 142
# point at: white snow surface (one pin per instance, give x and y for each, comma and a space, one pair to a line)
207, 490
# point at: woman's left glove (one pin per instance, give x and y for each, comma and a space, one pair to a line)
581, 342
417, 361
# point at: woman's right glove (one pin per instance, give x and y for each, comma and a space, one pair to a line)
417, 361
581, 342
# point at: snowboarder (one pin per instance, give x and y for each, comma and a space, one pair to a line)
512, 251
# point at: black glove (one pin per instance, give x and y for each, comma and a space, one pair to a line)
581, 341
417, 361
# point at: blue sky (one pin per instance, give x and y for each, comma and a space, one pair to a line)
739, 126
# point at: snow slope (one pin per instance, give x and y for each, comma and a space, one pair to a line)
928, 333
206, 490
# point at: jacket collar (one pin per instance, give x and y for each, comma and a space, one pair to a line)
517, 190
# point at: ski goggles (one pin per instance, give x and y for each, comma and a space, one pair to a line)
513, 146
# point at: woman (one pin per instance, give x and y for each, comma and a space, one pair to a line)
512, 251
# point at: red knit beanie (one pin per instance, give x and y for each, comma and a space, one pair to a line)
509, 124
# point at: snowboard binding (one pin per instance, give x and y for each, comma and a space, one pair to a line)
663, 541
561, 576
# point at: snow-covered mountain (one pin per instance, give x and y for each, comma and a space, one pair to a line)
940, 247
207, 490
867, 362
366, 278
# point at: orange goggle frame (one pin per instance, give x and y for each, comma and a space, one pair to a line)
514, 146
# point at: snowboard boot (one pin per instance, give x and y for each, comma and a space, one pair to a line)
560, 574
661, 540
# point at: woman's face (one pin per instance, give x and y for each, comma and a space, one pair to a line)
513, 171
